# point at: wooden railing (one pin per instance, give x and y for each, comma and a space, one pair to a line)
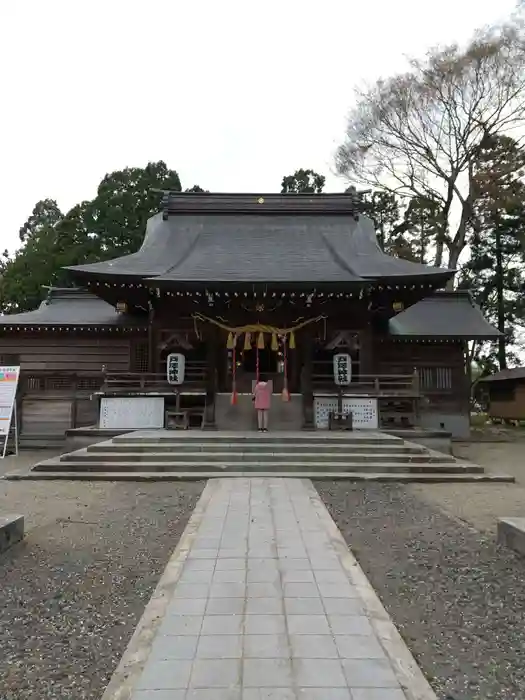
54, 381
373, 385
195, 377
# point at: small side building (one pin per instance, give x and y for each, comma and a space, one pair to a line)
504, 394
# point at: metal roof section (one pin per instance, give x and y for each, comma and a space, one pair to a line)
226, 238
71, 307
513, 374
444, 315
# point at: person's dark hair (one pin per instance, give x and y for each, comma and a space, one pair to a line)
262, 378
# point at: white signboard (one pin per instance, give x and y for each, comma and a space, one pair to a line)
365, 414
9, 376
342, 369
175, 366
131, 412
8, 384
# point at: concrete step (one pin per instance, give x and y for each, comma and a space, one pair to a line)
347, 438
197, 475
280, 458
274, 467
246, 448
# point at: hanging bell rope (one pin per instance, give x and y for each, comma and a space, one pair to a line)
286, 393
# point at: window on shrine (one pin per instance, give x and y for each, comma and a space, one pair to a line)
139, 360
435, 378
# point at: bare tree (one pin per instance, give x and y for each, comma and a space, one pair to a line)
420, 133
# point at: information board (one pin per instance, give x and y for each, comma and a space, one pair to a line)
9, 376
365, 414
131, 412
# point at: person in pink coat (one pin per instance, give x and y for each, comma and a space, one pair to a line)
262, 396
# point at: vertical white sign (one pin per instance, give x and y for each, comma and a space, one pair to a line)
175, 368
342, 369
9, 376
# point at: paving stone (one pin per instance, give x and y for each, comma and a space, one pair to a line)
307, 624
264, 606
324, 694
266, 646
359, 647
267, 673
318, 673
369, 673
377, 694
159, 695
303, 606
343, 607
225, 606
222, 624
313, 646
181, 625
186, 606
219, 646
301, 590
165, 675
215, 673
227, 590
174, 647
264, 624
213, 694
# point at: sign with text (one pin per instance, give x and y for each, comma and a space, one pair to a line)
175, 367
342, 369
8, 384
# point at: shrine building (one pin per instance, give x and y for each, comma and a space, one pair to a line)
230, 287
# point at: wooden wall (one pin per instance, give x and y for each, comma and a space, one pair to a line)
68, 352
440, 366
507, 401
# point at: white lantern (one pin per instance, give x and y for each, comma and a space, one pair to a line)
175, 366
342, 369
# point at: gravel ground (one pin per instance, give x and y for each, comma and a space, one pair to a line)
72, 594
482, 504
457, 598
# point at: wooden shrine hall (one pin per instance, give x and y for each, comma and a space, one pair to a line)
230, 287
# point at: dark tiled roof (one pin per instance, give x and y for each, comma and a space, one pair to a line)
308, 245
70, 307
444, 315
505, 375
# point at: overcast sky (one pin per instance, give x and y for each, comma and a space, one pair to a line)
232, 94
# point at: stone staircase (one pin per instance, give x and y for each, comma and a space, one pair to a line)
170, 455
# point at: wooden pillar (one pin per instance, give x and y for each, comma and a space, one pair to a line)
151, 340
367, 364
209, 421
307, 350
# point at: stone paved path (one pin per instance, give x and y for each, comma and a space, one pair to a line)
270, 605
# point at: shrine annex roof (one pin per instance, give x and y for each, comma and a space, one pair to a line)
444, 315
236, 239
70, 308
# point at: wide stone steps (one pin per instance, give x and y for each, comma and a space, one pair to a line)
170, 455
279, 458
432, 477
260, 448
274, 467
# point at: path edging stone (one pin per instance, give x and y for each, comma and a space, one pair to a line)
127, 673
409, 675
